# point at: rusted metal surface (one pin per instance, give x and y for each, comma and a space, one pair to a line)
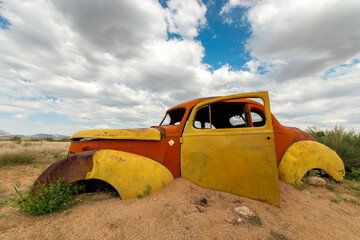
134, 134
149, 149
70, 169
128, 173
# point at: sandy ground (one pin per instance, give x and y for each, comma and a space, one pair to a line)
184, 211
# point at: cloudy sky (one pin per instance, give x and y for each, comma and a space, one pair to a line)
72, 65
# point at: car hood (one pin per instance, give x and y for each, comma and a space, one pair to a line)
129, 134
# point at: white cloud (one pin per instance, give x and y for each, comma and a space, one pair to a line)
20, 116
101, 62
296, 39
186, 17
113, 63
308, 52
231, 4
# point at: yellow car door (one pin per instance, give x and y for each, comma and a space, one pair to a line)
221, 150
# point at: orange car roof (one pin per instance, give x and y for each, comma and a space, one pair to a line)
191, 103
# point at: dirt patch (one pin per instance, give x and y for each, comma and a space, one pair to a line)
186, 211
182, 211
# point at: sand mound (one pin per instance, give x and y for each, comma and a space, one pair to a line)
186, 211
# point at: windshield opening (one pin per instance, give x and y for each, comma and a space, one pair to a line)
173, 117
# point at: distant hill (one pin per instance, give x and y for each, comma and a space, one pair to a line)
4, 134
40, 135
44, 135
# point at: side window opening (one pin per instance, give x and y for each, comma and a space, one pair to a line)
202, 120
173, 117
229, 115
238, 120
257, 117
223, 115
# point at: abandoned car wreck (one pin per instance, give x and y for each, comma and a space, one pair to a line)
231, 143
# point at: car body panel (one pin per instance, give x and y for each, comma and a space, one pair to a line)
241, 161
304, 156
134, 134
130, 174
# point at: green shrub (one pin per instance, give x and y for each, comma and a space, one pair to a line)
34, 139
46, 199
345, 143
63, 140
16, 139
48, 139
354, 175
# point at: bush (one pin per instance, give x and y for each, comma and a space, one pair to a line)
48, 139
28, 152
345, 143
354, 175
16, 139
63, 140
46, 200
15, 156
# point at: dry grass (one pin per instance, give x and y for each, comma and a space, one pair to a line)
27, 152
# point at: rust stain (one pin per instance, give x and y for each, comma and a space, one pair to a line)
118, 159
139, 130
71, 169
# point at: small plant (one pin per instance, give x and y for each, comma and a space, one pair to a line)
146, 192
278, 236
46, 199
352, 187
330, 187
300, 186
354, 175
3, 202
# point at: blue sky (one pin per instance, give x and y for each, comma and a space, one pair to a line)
224, 43
72, 65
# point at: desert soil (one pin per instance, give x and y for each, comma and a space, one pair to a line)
184, 211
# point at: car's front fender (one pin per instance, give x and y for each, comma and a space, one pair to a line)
130, 174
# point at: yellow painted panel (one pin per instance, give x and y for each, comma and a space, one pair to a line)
128, 173
303, 156
135, 134
240, 164
241, 161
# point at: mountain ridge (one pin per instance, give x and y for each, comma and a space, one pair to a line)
39, 135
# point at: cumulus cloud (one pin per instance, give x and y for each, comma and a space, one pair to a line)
296, 39
185, 17
100, 62
308, 52
122, 63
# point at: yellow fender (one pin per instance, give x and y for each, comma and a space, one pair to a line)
303, 156
130, 174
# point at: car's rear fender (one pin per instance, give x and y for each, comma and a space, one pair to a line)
304, 156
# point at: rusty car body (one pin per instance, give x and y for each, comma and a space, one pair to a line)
231, 143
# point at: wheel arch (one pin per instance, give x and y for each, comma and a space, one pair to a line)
130, 174
303, 156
